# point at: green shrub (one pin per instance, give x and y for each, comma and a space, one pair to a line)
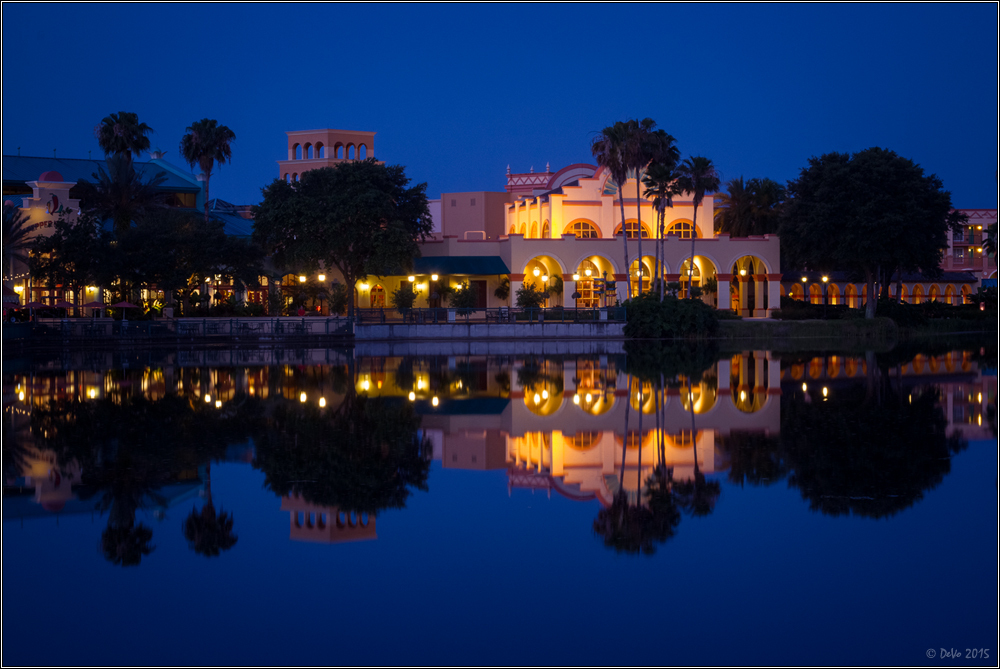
403, 298
529, 298
648, 318
464, 299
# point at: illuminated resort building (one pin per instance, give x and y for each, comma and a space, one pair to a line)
45, 190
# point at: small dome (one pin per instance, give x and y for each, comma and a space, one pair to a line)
51, 175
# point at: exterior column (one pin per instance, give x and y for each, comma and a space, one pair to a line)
773, 293
758, 295
723, 372
723, 281
773, 374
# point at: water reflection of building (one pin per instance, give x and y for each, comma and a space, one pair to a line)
966, 392
325, 524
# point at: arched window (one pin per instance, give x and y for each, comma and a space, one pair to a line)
287, 178
513, 230
363, 152
833, 293
309, 151
534, 230
295, 177
523, 228
545, 230
350, 152
949, 295
377, 297
320, 150
583, 230
582, 441
682, 228
632, 230
338, 151
298, 151
918, 294
851, 293
934, 293
589, 297
796, 292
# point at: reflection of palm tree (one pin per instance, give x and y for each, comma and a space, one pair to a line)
697, 496
638, 528
125, 545
209, 533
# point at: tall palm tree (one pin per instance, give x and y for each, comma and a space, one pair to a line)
121, 134
734, 213
209, 533
205, 144
661, 186
120, 193
697, 176
609, 150
644, 146
17, 238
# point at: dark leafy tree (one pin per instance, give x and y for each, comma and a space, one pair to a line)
867, 450
204, 144
360, 217
871, 213
364, 457
72, 255
749, 208
638, 528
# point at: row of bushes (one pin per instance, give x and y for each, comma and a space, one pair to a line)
904, 314
673, 318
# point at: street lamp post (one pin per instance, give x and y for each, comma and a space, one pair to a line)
825, 298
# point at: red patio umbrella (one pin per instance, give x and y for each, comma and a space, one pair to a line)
125, 305
94, 305
63, 304
36, 305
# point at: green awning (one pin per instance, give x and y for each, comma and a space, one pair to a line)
452, 265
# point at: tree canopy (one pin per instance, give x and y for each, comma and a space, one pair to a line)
871, 213
360, 217
206, 143
122, 135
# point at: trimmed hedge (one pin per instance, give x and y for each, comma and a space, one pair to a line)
648, 318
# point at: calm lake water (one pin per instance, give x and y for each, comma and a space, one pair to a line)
660, 505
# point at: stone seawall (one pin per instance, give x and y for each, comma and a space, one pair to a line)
486, 331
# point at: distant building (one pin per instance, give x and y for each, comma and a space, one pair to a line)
312, 149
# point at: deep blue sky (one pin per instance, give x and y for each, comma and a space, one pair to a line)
456, 93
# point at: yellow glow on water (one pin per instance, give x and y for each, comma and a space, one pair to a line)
302, 397
218, 404
322, 402
434, 401
208, 398
412, 396
576, 399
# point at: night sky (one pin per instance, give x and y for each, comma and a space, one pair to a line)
456, 93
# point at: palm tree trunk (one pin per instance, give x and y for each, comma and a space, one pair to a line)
638, 219
628, 405
206, 197
694, 235
628, 275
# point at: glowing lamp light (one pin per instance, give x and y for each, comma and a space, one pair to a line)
588, 271
545, 277
576, 277
434, 277
420, 384
412, 396
302, 397
302, 279
537, 398
576, 399
322, 402
825, 391
743, 272
364, 286
92, 393
91, 289
545, 394
411, 278
18, 289
743, 396
322, 277
365, 385
804, 279
20, 396
805, 388
208, 398
218, 404
589, 397
825, 278
434, 401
